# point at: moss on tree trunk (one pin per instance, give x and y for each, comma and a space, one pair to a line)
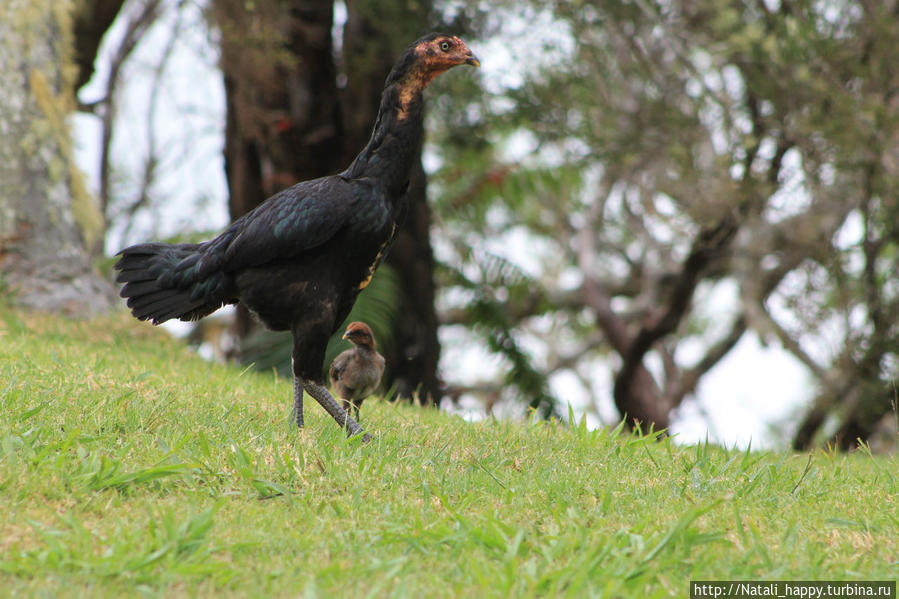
48, 220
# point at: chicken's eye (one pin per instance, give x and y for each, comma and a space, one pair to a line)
445, 46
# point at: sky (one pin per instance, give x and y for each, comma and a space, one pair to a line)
741, 402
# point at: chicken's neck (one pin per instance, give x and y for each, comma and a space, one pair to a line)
390, 153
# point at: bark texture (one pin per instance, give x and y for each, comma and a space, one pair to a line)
47, 217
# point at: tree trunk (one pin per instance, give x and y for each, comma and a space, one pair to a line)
375, 34
283, 118
47, 217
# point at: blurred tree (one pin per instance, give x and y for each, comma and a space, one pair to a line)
674, 150
48, 220
92, 19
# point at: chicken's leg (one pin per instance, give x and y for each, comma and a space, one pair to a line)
320, 394
298, 401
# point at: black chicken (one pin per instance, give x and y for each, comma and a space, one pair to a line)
356, 373
299, 259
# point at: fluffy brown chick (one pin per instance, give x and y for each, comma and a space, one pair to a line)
356, 373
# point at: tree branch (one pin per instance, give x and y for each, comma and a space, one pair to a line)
92, 21
148, 174
136, 28
690, 377
710, 244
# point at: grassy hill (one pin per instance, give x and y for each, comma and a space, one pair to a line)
130, 467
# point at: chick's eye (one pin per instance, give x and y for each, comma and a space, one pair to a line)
445, 46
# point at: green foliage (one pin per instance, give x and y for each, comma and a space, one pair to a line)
626, 129
129, 466
498, 285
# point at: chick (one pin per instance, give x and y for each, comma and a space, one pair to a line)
356, 373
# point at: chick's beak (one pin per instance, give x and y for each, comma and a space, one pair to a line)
345, 336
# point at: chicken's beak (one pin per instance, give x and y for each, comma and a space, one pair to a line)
344, 336
473, 61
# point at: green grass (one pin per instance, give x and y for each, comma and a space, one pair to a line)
130, 467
